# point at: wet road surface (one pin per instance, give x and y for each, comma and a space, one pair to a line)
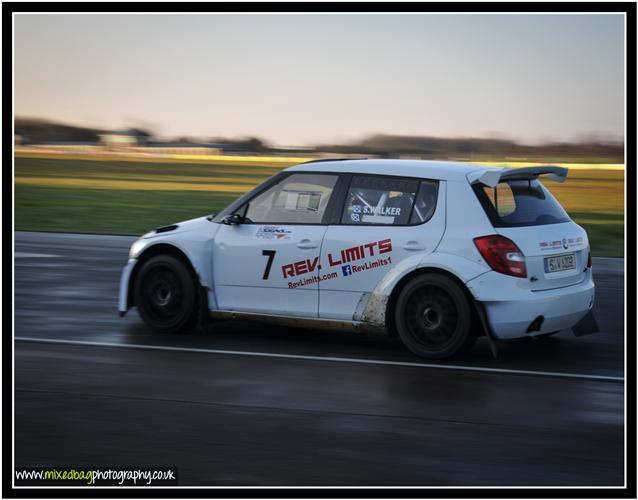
249, 404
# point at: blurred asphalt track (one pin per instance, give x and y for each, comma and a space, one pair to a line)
256, 417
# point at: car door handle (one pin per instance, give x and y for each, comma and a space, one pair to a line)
412, 246
305, 244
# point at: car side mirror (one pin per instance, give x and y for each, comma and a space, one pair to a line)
233, 219
236, 219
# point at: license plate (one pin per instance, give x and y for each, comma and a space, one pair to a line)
560, 263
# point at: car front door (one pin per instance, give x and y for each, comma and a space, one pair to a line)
384, 220
269, 264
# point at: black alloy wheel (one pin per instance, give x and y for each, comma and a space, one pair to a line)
166, 295
434, 317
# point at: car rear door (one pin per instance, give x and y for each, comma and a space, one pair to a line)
378, 226
270, 264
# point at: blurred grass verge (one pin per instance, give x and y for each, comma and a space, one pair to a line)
128, 197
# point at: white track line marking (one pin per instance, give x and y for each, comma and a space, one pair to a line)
580, 376
27, 255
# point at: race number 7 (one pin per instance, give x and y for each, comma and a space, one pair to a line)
271, 256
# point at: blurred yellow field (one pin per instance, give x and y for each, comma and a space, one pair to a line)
598, 188
261, 161
583, 191
126, 195
254, 161
150, 184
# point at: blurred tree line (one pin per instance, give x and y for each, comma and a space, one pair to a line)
478, 148
37, 131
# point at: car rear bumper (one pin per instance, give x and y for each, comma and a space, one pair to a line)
524, 313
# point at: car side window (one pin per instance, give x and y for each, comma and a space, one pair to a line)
388, 201
296, 199
425, 203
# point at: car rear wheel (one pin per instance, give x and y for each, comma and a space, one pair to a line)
166, 295
434, 317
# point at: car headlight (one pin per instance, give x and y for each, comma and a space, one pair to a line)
136, 248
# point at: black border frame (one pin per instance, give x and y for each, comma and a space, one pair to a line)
629, 8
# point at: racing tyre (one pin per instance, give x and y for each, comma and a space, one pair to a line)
434, 317
166, 295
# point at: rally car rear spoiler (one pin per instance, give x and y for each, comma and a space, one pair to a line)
491, 177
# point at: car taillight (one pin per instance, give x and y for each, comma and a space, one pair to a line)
588, 257
502, 255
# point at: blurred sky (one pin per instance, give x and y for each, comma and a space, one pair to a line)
302, 79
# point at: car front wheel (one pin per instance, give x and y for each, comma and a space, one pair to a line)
434, 317
166, 295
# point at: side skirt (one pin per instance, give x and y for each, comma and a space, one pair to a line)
303, 322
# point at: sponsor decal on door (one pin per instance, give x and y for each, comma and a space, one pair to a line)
348, 261
273, 233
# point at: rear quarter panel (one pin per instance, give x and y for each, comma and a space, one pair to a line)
465, 221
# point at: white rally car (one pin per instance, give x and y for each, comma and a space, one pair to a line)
436, 252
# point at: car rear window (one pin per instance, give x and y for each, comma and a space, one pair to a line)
520, 202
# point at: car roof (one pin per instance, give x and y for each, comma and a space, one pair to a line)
442, 170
